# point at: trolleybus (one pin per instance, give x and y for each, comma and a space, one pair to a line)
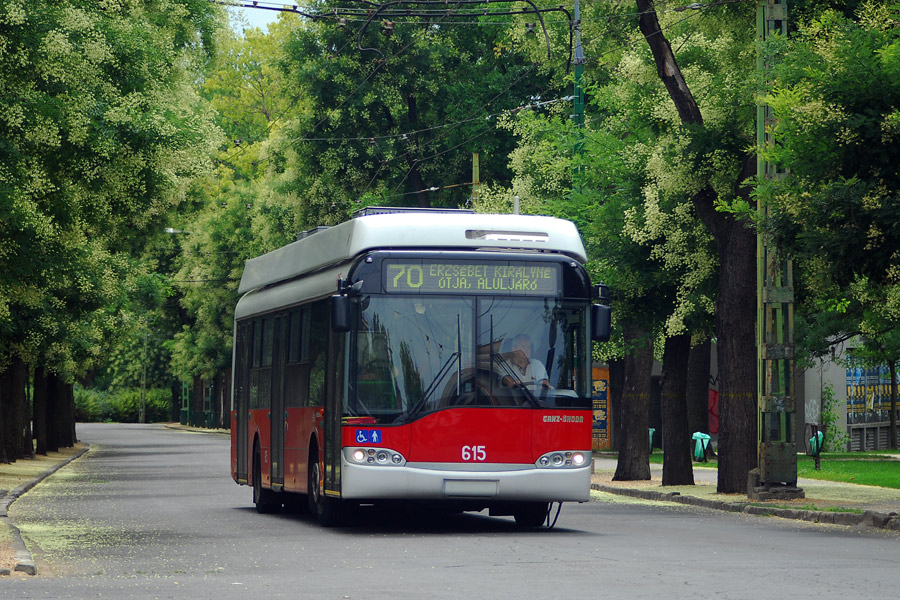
417, 356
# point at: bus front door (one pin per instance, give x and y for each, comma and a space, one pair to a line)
277, 420
241, 398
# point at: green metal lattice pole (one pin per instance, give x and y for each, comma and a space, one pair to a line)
777, 448
578, 105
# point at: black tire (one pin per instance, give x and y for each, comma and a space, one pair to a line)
327, 510
531, 514
266, 500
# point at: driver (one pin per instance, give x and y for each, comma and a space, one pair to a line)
527, 371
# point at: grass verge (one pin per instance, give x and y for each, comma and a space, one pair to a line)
864, 468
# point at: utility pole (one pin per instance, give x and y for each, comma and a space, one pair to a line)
578, 116
776, 475
476, 177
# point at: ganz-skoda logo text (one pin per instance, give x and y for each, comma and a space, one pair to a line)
563, 419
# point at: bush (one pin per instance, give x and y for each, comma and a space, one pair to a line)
121, 406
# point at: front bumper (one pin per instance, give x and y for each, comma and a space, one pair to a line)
449, 482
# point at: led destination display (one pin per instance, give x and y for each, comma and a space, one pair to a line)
487, 277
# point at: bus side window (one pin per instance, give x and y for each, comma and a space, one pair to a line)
242, 368
256, 360
261, 373
255, 341
296, 374
318, 346
294, 336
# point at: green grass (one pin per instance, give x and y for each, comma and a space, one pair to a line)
812, 507
884, 473
863, 468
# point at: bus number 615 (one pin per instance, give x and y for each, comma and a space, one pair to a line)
474, 453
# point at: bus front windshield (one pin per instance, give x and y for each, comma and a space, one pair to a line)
415, 355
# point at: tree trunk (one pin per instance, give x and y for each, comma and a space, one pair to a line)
17, 375
634, 443
175, 389
736, 297
4, 415
40, 409
737, 358
415, 176
196, 401
893, 429
698, 387
67, 416
54, 389
676, 439
616, 385
73, 433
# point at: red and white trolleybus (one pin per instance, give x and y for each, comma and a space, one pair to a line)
436, 356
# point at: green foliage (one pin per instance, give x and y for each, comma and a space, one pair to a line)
439, 85
101, 131
122, 405
835, 96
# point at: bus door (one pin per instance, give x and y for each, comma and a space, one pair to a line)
334, 390
241, 397
277, 420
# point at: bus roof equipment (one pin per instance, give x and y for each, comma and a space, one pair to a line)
407, 230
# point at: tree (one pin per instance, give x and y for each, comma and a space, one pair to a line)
836, 93
100, 131
235, 212
383, 130
717, 165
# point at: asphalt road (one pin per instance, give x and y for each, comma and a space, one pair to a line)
152, 513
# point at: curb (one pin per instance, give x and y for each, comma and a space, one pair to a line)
192, 429
24, 560
869, 518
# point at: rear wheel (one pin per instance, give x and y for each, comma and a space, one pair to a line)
266, 500
531, 514
327, 510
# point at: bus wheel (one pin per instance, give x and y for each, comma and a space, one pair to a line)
326, 510
531, 514
266, 501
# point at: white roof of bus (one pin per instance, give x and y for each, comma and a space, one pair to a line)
422, 231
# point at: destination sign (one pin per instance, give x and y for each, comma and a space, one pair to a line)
505, 278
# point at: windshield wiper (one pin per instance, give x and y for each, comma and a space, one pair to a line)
445, 368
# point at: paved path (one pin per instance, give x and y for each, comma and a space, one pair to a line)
152, 513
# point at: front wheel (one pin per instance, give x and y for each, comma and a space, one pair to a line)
327, 510
531, 514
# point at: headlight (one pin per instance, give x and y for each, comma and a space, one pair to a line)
374, 456
563, 459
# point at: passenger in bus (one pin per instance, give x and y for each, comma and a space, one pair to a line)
527, 371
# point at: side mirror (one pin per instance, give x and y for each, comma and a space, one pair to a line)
601, 322
340, 313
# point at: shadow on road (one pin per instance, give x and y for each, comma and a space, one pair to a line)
412, 519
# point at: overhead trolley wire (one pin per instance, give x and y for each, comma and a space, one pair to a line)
444, 14
327, 13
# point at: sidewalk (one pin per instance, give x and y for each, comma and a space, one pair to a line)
19, 477
16, 479
826, 501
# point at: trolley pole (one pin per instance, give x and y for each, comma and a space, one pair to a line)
776, 475
578, 116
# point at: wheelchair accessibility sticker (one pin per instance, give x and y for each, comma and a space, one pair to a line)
368, 436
